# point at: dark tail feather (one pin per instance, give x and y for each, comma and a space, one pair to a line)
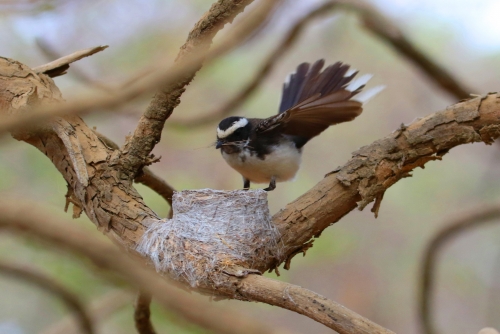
309, 80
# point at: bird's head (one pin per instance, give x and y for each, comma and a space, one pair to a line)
232, 133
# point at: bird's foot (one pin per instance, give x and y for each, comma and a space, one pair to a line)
246, 184
272, 185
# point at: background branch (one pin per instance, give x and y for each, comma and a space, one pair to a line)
308, 303
100, 310
148, 131
389, 32
263, 72
459, 225
42, 281
107, 101
29, 219
59, 66
142, 313
375, 22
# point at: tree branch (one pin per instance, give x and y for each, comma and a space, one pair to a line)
27, 218
147, 177
460, 224
109, 200
308, 303
46, 283
142, 313
139, 87
59, 66
99, 310
264, 70
373, 21
148, 131
51, 53
376, 167
157, 184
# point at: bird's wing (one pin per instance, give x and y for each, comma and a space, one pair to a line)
314, 99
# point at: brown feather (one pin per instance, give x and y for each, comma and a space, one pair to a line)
320, 100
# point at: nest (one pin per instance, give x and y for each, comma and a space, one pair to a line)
212, 231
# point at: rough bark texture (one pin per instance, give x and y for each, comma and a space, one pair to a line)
377, 166
99, 188
110, 201
85, 162
148, 131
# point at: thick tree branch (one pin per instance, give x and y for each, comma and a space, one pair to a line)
71, 300
461, 224
148, 131
89, 167
147, 177
157, 184
376, 167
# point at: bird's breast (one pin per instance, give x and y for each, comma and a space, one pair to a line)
282, 162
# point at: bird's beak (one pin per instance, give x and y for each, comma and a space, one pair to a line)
219, 144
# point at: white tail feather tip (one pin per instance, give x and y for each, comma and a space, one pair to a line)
358, 82
368, 94
350, 72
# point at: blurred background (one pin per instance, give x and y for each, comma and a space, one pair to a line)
369, 265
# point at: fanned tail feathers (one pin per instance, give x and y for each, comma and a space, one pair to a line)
313, 100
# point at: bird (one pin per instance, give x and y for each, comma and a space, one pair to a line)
269, 150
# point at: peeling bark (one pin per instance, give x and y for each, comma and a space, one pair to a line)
107, 196
376, 167
148, 132
110, 201
85, 162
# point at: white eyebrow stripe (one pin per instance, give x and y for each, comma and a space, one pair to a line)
236, 125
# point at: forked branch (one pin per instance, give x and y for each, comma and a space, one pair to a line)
376, 167
101, 185
193, 52
375, 22
109, 200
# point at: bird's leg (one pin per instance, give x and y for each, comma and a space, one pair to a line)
272, 184
246, 184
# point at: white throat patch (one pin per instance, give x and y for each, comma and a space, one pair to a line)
235, 126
